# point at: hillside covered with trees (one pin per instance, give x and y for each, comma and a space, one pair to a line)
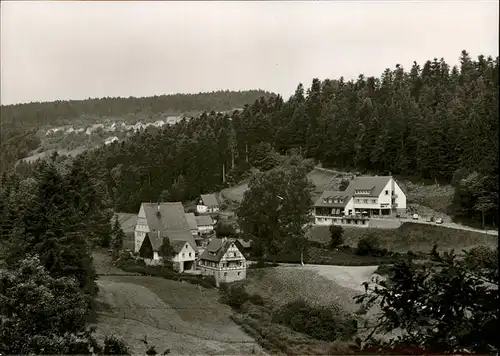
20, 123
430, 121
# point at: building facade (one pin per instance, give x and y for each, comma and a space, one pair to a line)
364, 198
223, 260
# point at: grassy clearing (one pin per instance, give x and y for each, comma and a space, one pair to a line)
412, 237
173, 315
282, 285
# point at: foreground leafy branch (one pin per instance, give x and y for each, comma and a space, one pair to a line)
449, 306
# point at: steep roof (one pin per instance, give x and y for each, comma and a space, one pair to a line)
341, 196
204, 220
374, 184
171, 216
170, 221
178, 245
209, 199
191, 219
218, 247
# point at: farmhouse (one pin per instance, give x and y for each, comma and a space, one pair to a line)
365, 197
205, 224
159, 221
207, 204
223, 260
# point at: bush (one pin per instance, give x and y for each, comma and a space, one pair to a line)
336, 236
256, 299
368, 245
114, 346
234, 296
318, 322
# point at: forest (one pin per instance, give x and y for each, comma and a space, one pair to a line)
20, 122
433, 121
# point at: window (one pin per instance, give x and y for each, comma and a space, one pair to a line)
189, 254
386, 192
183, 254
239, 273
225, 274
365, 201
374, 201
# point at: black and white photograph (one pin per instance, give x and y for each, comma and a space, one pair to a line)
228, 178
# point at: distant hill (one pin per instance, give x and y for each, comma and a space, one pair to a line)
58, 113
24, 126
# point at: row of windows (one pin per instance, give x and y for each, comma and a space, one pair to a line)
365, 201
344, 221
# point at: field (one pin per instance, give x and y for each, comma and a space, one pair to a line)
332, 287
178, 316
316, 284
412, 236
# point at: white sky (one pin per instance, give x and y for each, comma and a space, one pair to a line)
75, 50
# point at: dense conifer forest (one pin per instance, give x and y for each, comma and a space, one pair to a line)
431, 121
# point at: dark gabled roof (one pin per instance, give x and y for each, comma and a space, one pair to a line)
218, 247
244, 243
343, 198
374, 184
209, 200
179, 245
203, 220
191, 219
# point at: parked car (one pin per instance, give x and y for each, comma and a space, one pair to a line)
439, 220
415, 216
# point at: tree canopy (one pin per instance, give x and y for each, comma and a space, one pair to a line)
450, 306
276, 209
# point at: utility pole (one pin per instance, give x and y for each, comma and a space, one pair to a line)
223, 173
246, 152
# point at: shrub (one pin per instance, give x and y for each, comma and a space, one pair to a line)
114, 346
234, 296
318, 322
336, 236
368, 245
256, 299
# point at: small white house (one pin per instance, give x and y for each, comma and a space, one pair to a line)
185, 256
207, 204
